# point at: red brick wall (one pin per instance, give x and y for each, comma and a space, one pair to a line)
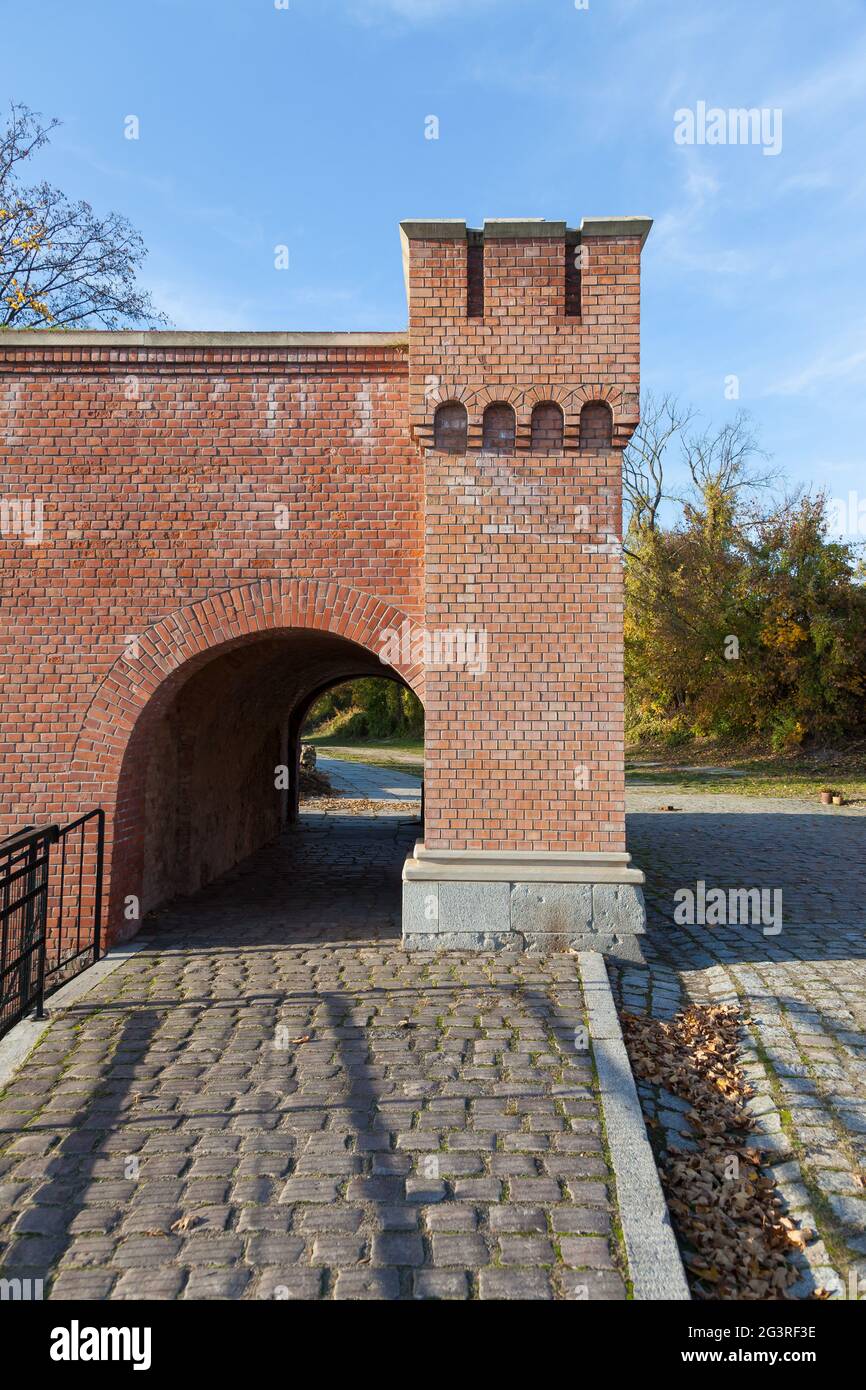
161, 641
159, 470
523, 545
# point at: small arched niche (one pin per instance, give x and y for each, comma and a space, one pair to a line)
596, 425
450, 428
547, 427
500, 428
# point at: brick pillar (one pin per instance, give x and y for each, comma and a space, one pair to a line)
524, 783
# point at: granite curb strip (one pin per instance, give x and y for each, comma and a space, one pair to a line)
19, 1042
653, 1255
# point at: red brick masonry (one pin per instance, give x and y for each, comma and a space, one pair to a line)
200, 532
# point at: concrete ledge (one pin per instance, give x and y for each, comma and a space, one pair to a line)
516, 856
168, 338
653, 1255
501, 228
523, 228
434, 229
531, 866
616, 226
20, 1041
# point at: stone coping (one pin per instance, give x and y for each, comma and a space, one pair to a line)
506, 866
529, 228
168, 338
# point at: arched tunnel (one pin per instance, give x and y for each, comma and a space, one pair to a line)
211, 773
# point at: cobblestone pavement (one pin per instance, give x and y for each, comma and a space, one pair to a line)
273, 1100
803, 990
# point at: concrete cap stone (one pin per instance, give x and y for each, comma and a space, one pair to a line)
440, 229
500, 228
171, 338
522, 227
616, 226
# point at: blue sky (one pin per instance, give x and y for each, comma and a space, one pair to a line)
305, 126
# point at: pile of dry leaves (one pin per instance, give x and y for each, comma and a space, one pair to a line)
314, 783
736, 1242
358, 805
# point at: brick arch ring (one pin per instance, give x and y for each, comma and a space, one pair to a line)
167, 653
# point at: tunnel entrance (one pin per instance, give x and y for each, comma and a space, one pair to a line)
362, 745
211, 772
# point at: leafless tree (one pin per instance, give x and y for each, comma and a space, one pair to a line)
662, 421
60, 263
725, 460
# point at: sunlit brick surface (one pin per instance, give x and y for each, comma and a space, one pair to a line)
231, 523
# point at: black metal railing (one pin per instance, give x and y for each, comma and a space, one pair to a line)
50, 910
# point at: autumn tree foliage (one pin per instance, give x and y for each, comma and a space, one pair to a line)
368, 708
61, 264
744, 618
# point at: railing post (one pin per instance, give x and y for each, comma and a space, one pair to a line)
97, 908
25, 967
41, 913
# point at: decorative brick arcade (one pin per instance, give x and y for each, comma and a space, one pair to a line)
201, 532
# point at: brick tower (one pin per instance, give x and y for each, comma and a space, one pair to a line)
524, 366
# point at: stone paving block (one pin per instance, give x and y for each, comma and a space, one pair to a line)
146, 1251
525, 1250
589, 1252
468, 1251
478, 1189
397, 1248
83, 1284
161, 1283
283, 1285
440, 1284
338, 1250
524, 1285
367, 1284
580, 1220
519, 1220
216, 1283
309, 1190
591, 1285
337, 1219
269, 1249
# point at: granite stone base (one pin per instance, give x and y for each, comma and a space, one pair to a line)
507, 913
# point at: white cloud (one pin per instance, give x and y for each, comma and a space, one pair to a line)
682, 236
825, 367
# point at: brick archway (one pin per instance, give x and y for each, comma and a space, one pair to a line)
112, 747
302, 466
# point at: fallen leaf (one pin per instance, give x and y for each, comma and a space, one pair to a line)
186, 1222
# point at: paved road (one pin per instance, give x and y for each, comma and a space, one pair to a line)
365, 779
274, 1100
804, 988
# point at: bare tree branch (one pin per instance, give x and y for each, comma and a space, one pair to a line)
61, 263
662, 420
